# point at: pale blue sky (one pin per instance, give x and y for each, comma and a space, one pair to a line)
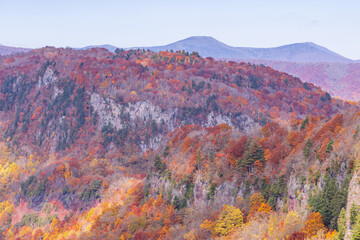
252, 23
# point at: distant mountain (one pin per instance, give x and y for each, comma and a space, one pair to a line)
109, 47
297, 52
205, 46
5, 50
339, 79
210, 47
312, 63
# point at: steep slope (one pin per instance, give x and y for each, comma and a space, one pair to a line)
171, 84
144, 145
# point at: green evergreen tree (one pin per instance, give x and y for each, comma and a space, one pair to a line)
159, 164
304, 123
342, 224
329, 146
307, 148
166, 151
354, 210
252, 154
356, 230
330, 201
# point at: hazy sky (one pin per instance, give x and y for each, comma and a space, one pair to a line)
251, 23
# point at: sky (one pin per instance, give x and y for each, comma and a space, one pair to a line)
333, 24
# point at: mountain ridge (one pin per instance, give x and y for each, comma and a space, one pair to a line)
295, 52
6, 50
208, 46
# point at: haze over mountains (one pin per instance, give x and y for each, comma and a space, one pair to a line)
210, 47
339, 79
109, 47
312, 63
5, 50
297, 52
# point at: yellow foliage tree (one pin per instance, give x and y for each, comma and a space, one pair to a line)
25, 230
230, 218
292, 222
6, 210
264, 208
11, 172
272, 224
331, 235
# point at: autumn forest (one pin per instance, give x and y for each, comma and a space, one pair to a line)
136, 144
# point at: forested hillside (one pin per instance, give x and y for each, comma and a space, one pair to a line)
341, 80
142, 145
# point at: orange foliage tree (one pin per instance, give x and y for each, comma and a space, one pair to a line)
313, 224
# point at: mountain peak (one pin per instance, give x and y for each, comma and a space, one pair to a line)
208, 46
303, 44
109, 47
200, 38
307, 43
204, 41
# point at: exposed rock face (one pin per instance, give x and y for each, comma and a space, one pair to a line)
108, 111
242, 122
200, 191
121, 116
225, 193
111, 112
115, 114
298, 195
146, 110
163, 185
213, 120
48, 78
57, 92
154, 143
